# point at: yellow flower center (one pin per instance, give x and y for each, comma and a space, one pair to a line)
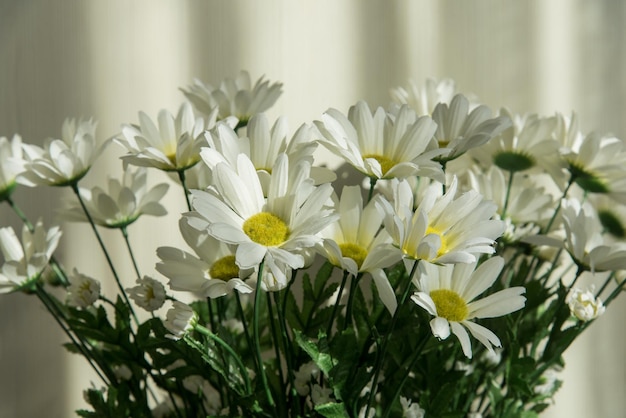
354, 251
443, 249
386, 163
266, 229
449, 305
224, 268
171, 157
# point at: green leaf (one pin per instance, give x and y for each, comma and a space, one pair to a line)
323, 360
332, 410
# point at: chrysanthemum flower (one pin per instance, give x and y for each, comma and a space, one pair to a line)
597, 165
275, 230
173, 145
584, 305
527, 207
234, 97
149, 293
394, 144
443, 228
24, 261
83, 291
212, 272
62, 162
460, 129
424, 100
11, 164
528, 144
583, 239
449, 293
122, 203
262, 144
180, 320
357, 243
612, 216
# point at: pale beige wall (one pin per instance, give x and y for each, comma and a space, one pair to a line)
111, 59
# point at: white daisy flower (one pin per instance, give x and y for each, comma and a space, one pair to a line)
528, 144
83, 291
173, 145
382, 144
149, 294
449, 292
597, 166
122, 203
274, 230
211, 272
262, 144
62, 162
443, 228
584, 305
612, 216
424, 100
583, 239
357, 243
460, 129
525, 208
11, 164
180, 320
25, 260
234, 97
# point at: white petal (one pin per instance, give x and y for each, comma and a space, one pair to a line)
440, 327
463, 337
385, 291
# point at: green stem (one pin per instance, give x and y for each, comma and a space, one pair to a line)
416, 356
257, 337
508, 194
104, 250
53, 262
353, 284
383, 348
208, 333
558, 207
287, 347
183, 182
609, 279
281, 375
373, 181
337, 303
130, 251
244, 322
615, 292
169, 392
60, 319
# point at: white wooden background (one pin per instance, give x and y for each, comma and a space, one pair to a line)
111, 59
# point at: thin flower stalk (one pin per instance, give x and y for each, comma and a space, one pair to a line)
257, 340
383, 347
106, 254
124, 231
78, 342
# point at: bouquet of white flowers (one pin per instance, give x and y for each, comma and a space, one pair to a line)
315, 299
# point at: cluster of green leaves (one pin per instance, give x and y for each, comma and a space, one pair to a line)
354, 346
